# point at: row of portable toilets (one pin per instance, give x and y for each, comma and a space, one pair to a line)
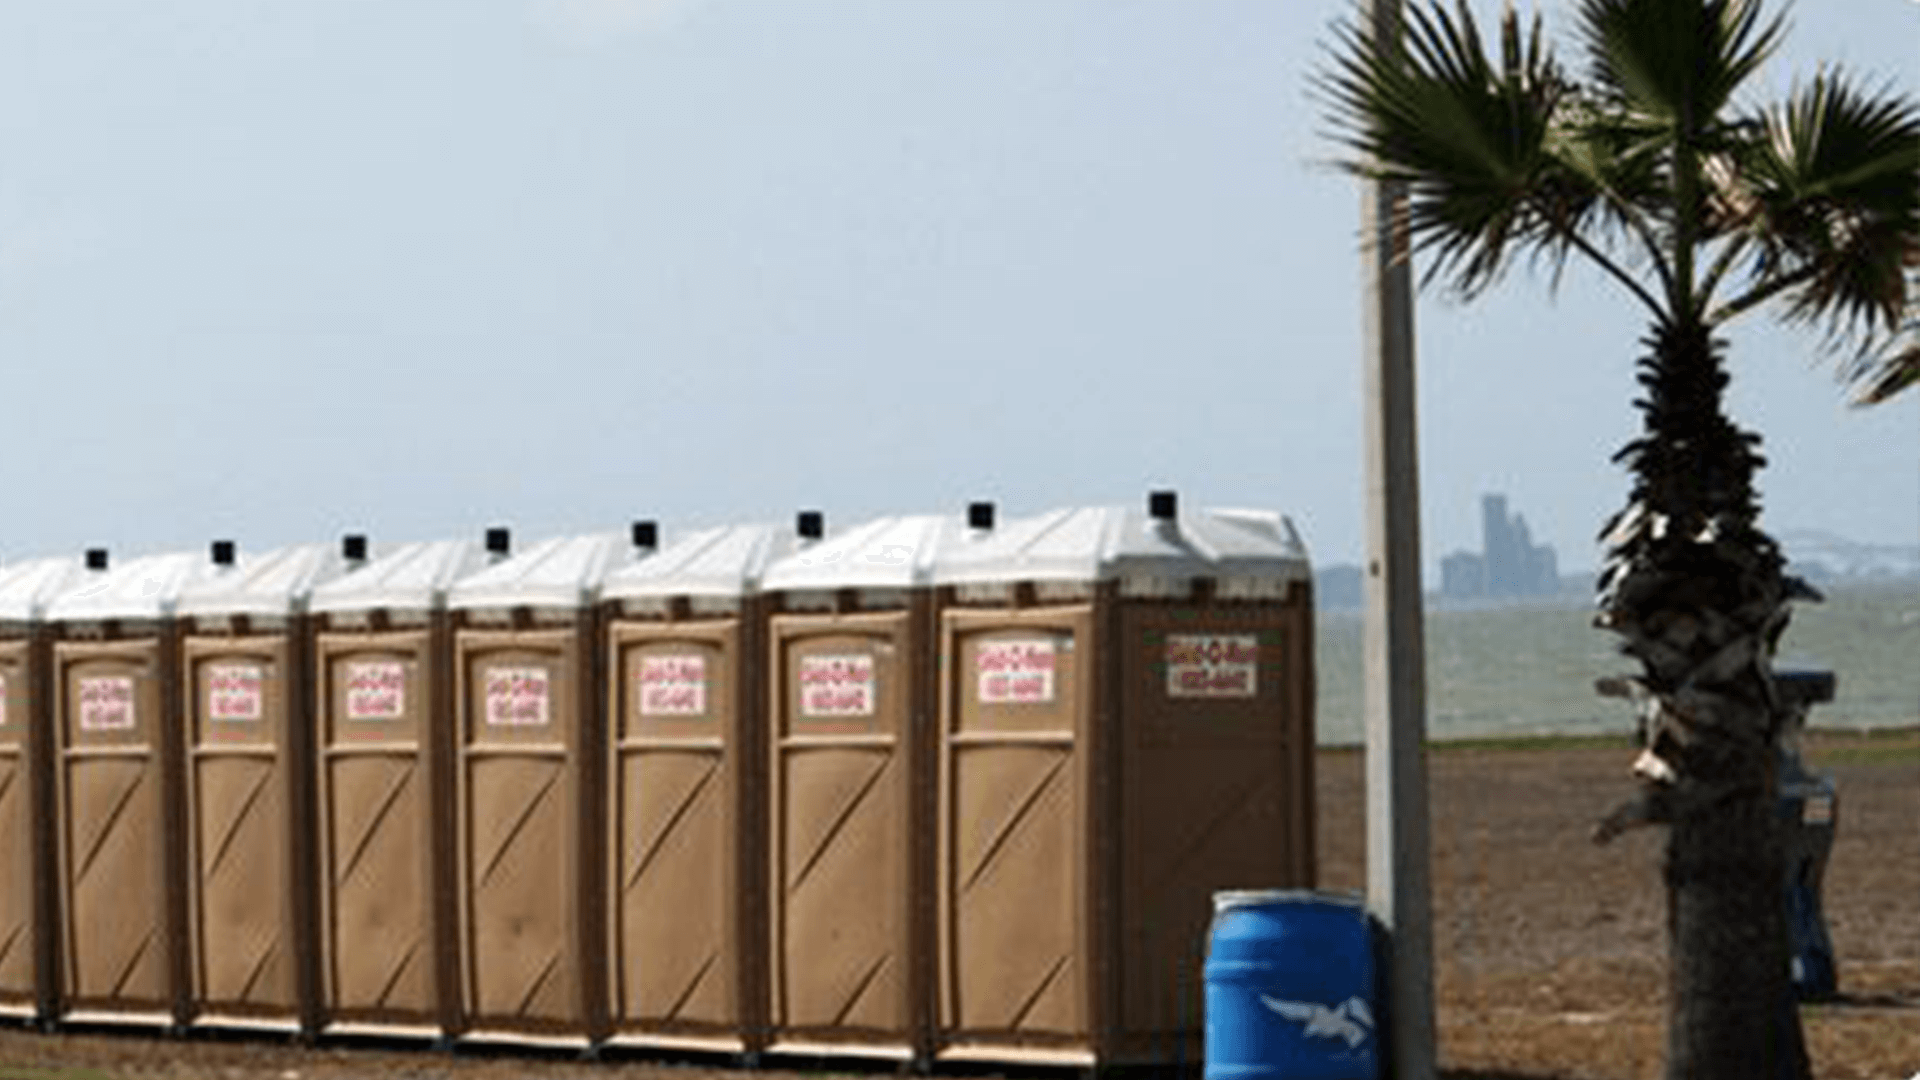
926, 788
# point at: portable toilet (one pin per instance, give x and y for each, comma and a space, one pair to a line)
117, 784
686, 871
529, 751
246, 659
29, 981
850, 696
384, 701
1125, 727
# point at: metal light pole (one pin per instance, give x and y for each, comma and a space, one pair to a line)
1398, 890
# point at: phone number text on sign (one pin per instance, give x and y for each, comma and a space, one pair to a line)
673, 686
836, 685
233, 692
106, 704
376, 691
1015, 672
517, 697
1213, 665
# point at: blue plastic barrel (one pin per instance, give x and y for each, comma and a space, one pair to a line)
1290, 988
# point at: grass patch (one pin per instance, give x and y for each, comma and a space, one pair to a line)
1875, 753
1824, 746
1876, 746
1507, 742
1535, 742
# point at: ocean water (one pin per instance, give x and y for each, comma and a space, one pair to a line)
1529, 669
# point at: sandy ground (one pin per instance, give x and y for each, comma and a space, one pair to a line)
1550, 951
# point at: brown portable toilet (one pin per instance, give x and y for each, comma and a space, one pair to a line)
850, 700
384, 790
529, 746
686, 876
117, 785
246, 660
1125, 728
29, 982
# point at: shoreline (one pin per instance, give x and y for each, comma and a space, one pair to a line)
1817, 737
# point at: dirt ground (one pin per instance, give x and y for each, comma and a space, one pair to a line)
1550, 951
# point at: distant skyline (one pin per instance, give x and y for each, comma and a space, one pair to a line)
278, 271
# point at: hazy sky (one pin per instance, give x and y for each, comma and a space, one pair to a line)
274, 270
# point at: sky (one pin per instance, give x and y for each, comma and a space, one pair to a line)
281, 269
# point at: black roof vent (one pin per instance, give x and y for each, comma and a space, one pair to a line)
499, 540
223, 553
811, 525
980, 515
96, 558
353, 547
646, 534
1163, 505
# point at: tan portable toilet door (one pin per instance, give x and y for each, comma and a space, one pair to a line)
1204, 720
518, 844
237, 809
675, 838
841, 871
17, 932
1014, 778
112, 858
376, 934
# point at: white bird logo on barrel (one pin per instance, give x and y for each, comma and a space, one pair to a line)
1350, 1020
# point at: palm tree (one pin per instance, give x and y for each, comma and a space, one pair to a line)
1896, 366
1702, 206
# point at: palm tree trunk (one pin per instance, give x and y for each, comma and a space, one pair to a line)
1700, 596
1730, 1006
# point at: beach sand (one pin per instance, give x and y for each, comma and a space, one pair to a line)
1550, 951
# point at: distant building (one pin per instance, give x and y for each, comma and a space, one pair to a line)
1463, 574
1509, 564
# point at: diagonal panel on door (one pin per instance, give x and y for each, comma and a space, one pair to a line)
516, 859
843, 888
672, 824
16, 877
380, 956
17, 874
1013, 889
114, 884
238, 842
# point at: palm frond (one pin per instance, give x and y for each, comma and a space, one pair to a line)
1673, 68
1879, 375
1626, 169
1466, 134
1835, 188
1893, 371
